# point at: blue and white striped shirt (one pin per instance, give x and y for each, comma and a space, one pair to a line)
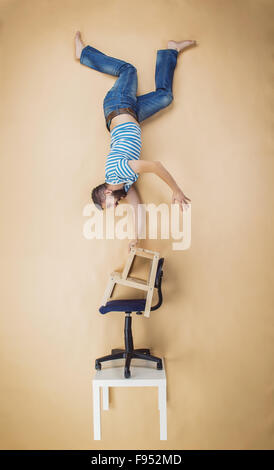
125, 145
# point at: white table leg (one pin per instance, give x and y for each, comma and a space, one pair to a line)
96, 413
163, 412
105, 398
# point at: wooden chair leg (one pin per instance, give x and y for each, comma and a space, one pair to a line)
151, 282
128, 263
109, 290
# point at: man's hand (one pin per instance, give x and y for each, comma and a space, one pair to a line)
179, 197
133, 244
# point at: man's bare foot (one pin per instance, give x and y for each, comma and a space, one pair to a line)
79, 44
180, 45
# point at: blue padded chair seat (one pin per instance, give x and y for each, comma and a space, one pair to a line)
124, 305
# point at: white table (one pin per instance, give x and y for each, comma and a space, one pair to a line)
143, 374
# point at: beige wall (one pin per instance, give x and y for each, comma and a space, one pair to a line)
215, 328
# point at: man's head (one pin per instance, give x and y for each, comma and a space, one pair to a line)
103, 197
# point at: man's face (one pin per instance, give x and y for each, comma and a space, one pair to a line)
113, 198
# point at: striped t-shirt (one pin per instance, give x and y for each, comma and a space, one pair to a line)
125, 145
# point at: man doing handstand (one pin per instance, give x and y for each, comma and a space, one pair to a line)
123, 112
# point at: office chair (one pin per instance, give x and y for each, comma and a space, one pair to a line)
129, 306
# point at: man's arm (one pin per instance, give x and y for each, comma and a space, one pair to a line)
133, 198
156, 167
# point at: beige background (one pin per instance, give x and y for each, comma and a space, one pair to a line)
215, 328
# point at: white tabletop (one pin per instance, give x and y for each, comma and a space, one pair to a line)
143, 373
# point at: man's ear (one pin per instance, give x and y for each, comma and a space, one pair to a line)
108, 191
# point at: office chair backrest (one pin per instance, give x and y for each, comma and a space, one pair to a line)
159, 272
158, 283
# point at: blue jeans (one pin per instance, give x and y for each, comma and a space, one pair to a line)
123, 92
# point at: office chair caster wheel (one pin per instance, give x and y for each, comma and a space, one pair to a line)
98, 365
159, 365
127, 373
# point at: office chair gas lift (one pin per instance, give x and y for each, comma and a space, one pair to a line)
128, 307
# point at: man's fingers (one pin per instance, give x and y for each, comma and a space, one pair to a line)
132, 244
180, 204
176, 201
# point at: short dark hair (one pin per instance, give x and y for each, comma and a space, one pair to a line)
98, 195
